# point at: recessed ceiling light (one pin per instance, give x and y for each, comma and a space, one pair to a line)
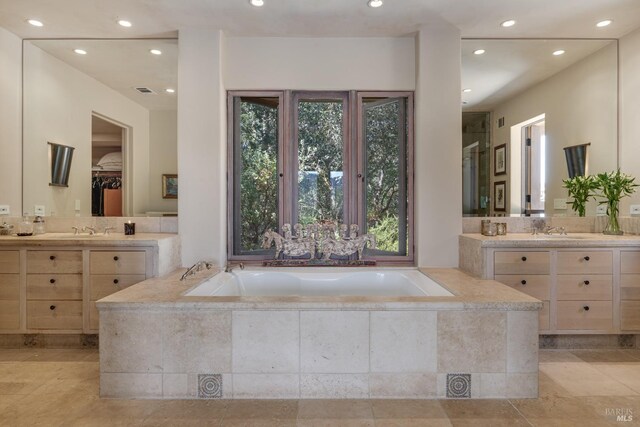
80, 51
124, 23
558, 52
256, 3
604, 23
466, 90
35, 22
155, 52
464, 102
170, 90
374, 3
508, 23
479, 51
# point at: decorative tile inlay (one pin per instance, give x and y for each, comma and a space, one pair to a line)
459, 386
210, 386
626, 341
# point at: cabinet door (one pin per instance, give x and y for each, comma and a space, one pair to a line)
61, 262
54, 314
54, 286
534, 285
585, 262
118, 262
585, 315
103, 285
521, 262
630, 287
630, 262
585, 287
9, 315
630, 315
9, 262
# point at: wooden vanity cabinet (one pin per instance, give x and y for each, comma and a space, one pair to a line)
630, 291
9, 290
54, 290
110, 272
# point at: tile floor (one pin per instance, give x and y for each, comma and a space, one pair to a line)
60, 388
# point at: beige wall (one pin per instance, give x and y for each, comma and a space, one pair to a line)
10, 122
579, 104
430, 64
58, 103
163, 141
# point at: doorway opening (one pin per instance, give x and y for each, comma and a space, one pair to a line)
107, 166
528, 167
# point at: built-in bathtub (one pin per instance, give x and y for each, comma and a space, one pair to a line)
301, 333
320, 281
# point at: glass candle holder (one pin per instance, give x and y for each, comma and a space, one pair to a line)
129, 228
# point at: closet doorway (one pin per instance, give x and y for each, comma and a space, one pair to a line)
108, 142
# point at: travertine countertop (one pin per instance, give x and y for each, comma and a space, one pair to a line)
69, 239
168, 292
572, 240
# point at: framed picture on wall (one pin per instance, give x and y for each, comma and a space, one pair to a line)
169, 186
500, 196
500, 159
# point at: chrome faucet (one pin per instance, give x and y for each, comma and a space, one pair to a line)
107, 230
195, 268
229, 267
561, 230
76, 231
91, 230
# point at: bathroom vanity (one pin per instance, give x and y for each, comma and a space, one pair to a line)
589, 283
49, 283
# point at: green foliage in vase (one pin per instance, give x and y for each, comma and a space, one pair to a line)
614, 186
581, 189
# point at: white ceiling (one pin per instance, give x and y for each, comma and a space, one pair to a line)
509, 67
123, 65
475, 18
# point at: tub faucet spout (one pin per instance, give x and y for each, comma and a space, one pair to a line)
195, 268
229, 267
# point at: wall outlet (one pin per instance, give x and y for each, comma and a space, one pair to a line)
634, 210
601, 210
5, 210
559, 204
38, 210
77, 205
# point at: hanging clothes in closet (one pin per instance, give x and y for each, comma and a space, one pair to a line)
99, 184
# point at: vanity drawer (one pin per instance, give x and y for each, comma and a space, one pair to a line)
543, 316
9, 262
574, 315
118, 262
9, 286
579, 287
103, 285
54, 286
630, 262
585, 262
9, 315
94, 317
630, 315
630, 286
521, 262
62, 262
54, 314
536, 286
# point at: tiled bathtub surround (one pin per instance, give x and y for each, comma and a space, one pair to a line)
55, 224
292, 347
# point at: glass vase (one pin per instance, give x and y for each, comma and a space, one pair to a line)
613, 223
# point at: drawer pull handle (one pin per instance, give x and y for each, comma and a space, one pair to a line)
52, 257
524, 282
52, 307
586, 282
115, 258
586, 308
52, 281
524, 258
587, 258
115, 281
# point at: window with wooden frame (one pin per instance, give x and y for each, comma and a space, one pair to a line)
308, 157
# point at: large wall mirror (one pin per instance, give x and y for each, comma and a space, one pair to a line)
524, 102
115, 103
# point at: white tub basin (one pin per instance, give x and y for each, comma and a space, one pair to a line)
322, 281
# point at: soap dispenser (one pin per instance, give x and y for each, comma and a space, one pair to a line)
38, 225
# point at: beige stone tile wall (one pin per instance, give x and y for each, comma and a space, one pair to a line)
318, 354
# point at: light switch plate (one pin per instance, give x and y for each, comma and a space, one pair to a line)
38, 210
4, 210
559, 204
77, 204
601, 210
634, 210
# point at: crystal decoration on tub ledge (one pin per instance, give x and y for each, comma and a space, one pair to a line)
318, 241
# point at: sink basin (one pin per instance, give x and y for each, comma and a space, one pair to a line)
558, 237
70, 236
